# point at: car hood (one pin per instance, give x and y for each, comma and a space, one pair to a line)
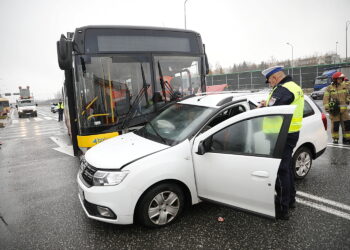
118, 151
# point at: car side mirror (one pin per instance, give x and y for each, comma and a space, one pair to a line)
201, 148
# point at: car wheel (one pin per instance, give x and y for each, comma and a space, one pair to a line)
302, 162
160, 205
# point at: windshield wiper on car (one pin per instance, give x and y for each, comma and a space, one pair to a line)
149, 123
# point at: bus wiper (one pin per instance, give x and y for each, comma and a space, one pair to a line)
145, 85
130, 114
166, 84
161, 81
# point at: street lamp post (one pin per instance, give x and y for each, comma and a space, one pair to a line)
346, 40
336, 51
292, 56
185, 12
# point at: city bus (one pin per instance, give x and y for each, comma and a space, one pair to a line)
4, 107
119, 77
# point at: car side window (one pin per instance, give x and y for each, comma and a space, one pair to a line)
224, 115
308, 110
228, 113
248, 137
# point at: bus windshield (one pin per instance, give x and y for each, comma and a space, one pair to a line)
108, 85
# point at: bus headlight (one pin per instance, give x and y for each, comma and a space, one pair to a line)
104, 178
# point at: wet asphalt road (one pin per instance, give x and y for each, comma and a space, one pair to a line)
39, 206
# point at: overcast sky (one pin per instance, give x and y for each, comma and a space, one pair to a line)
233, 31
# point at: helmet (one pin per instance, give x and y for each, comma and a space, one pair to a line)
337, 75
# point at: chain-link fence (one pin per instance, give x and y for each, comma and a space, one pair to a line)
305, 76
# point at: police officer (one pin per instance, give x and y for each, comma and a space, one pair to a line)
336, 100
284, 92
60, 107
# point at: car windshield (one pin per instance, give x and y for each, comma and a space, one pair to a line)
26, 103
176, 123
319, 81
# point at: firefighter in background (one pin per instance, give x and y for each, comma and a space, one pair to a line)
60, 108
336, 100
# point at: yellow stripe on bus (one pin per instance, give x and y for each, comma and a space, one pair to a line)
88, 141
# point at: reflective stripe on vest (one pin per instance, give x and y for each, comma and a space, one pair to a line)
273, 125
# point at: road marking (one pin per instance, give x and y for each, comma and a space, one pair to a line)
38, 119
338, 146
48, 118
62, 147
323, 208
14, 121
326, 201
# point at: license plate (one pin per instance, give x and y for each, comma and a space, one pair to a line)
81, 193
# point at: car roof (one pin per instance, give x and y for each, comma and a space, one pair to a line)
216, 100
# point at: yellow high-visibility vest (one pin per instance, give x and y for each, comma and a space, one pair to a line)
60, 106
273, 125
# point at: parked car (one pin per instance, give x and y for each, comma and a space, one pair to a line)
208, 147
53, 107
318, 95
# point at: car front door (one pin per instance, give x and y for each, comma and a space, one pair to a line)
236, 162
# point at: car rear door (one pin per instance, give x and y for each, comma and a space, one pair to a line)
236, 163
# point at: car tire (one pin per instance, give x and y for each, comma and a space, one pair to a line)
160, 205
302, 162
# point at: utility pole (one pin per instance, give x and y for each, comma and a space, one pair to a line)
346, 40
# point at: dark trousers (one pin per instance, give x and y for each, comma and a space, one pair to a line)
285, 185
60, 115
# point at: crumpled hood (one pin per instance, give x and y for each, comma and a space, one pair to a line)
120, 150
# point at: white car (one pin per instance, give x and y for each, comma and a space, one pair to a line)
208, 147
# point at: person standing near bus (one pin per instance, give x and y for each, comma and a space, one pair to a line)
336, 100
60, 108
284, 92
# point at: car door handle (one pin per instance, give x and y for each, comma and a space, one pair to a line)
262, 174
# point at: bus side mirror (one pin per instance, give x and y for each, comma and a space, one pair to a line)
206, 61
64, 53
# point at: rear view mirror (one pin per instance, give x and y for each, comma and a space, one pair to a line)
201, 149
64, 53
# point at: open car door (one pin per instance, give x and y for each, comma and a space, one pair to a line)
236, 161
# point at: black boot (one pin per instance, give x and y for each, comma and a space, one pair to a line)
346, 141
281, 214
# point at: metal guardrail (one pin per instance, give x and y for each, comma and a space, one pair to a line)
305, 76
